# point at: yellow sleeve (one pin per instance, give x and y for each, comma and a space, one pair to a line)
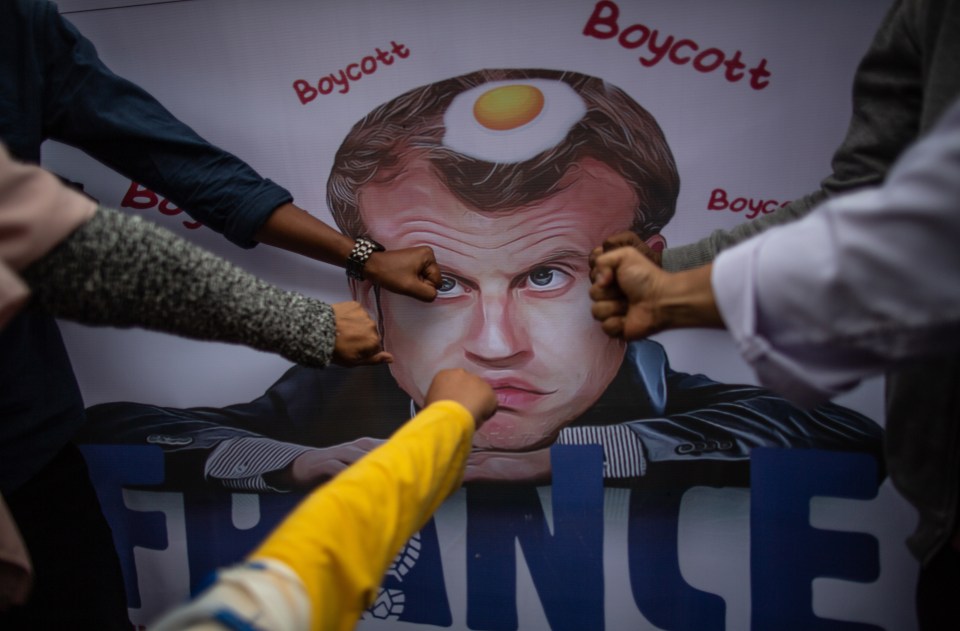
342, 538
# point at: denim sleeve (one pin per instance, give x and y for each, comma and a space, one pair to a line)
115, 121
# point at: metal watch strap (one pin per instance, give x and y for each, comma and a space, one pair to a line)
362, 250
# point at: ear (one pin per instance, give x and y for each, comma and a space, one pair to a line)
656, 242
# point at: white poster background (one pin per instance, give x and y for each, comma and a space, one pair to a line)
226, 67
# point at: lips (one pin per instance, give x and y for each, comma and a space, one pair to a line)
515, 394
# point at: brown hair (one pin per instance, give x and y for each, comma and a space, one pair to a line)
616, 130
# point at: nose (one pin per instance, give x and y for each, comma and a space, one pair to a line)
498, 332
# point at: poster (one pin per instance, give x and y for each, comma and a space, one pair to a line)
511, 137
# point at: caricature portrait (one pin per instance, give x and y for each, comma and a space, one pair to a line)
512, 177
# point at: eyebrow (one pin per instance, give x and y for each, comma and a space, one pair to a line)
553, 257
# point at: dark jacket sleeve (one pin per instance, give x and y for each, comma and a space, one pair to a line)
306, 406
707, 422
121, 125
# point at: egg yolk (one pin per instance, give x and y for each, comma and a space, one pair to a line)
508, 107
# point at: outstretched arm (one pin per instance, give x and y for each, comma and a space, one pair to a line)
123, 126
323, 564
123, 271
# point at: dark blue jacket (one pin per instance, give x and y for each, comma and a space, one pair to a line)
53, 86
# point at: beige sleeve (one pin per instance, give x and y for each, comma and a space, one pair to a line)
37, 211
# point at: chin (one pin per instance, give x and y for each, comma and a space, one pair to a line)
507, 433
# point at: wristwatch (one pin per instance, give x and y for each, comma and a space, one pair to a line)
362, 249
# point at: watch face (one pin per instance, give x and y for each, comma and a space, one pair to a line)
376, 246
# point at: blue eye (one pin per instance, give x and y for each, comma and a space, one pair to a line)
446, 284
548, 279
542, 276
450, 287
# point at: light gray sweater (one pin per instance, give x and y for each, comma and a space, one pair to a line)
120, 270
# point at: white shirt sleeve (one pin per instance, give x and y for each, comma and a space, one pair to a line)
865, 281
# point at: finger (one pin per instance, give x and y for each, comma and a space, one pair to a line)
383, 357
431, 272
594, 253
626, 238
598, 293
608, 309
592, 260
613, 327
422, 290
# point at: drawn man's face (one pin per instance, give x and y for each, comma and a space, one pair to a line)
514, 305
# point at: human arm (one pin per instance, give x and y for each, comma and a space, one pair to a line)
633, 298
120, 270
865, 283
878, 284
409, 271
333, 550
893, 100
123, 126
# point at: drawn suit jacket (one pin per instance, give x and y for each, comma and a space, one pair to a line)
692, 429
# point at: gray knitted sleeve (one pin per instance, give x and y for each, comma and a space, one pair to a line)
703, 251
120, 270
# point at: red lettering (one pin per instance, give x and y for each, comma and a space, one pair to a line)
625, 40
718, 200
733, 66
305, 91
701, 66
687, 43
138, 197
350, 75
755, 208
658, 51
168, 208
603, 23
342, 79
142, 198
343, 82
603, 26
384, 57
372, 65
759, 75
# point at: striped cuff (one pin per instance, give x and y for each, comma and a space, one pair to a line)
239, 463
622, 449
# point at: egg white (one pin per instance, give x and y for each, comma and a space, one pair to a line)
562, 109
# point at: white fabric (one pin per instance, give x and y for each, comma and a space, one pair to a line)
265, 593
868, 280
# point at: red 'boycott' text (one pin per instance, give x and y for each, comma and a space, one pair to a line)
657, 46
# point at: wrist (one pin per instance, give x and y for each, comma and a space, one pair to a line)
363, 249
688, 301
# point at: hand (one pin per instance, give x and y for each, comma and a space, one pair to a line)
357, 341
411, 271
509, 466
465, 388
627, 238
317, 466
634, 298
624, 294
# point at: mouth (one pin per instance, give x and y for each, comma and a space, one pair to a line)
513, 395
